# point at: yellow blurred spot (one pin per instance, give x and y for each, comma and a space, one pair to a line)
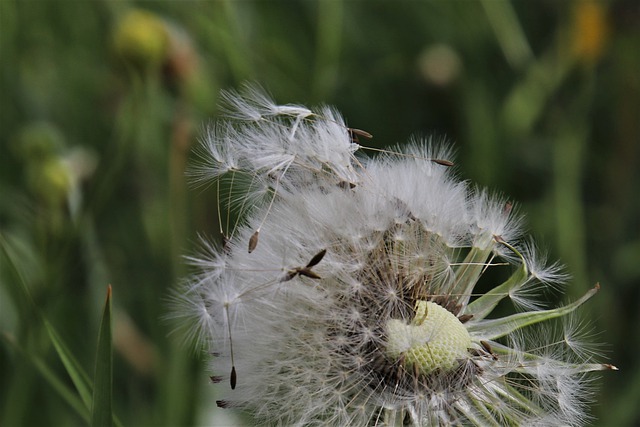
141, 39
589, 30
50, 180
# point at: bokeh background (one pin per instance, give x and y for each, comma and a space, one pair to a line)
102, 101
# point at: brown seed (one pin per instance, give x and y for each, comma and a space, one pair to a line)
308, 273
290, 275
346, 185
465, 318
226, 244
508, 207
317, 258
487, 347
232, 378
253, 241
359, 132
442, 162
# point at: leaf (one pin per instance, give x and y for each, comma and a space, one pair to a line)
468, 272
496, 328
79, 377
481, 307
101, 410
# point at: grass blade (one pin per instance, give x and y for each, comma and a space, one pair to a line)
64, 391
80, 379
101, 411
78, 375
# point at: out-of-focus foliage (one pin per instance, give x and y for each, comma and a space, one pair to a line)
100, 103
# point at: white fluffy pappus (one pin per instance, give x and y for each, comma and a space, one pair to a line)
344, 292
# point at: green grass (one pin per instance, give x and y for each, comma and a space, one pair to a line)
98, 116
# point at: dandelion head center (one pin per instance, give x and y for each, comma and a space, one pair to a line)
434, 340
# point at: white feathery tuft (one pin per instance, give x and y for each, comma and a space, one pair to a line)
340, 274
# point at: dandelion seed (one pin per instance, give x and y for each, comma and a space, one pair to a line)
253, 241
384, 325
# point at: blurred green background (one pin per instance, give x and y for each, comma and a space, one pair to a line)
101, 102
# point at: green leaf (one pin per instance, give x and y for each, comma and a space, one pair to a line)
531, 363
79, 377
481, 307
468, 272
101, 410
496, 328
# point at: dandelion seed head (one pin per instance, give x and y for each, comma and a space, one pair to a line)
345, 293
